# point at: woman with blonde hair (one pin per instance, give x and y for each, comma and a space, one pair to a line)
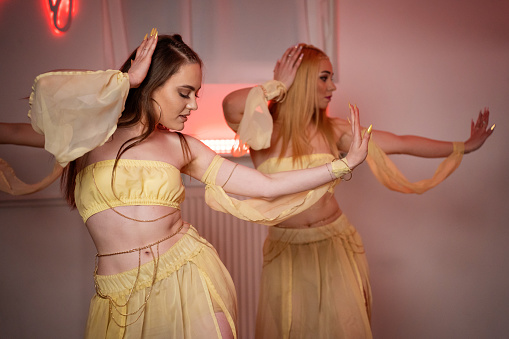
315, 278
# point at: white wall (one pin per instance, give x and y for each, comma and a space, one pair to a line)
438, 260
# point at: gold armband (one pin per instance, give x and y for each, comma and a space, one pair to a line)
274, 90
340, 168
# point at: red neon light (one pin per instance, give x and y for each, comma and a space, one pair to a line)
60, 14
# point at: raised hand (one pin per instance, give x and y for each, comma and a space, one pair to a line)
359, 146
287, 66
479, 131
141, 63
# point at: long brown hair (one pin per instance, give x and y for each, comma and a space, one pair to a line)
300, 109
170, 54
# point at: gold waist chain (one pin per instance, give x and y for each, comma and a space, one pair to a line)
113, 305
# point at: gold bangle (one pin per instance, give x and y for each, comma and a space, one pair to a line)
235, 166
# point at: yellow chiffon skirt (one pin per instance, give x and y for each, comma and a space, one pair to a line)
315, 284
191, 287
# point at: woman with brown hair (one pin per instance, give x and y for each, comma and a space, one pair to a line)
315, 278
116, 133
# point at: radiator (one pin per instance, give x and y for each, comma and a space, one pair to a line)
239, 244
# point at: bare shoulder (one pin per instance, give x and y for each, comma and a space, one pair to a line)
341, 126
343, 132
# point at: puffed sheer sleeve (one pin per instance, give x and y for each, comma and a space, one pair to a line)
77, 111
391, 177
259, 211
255, 128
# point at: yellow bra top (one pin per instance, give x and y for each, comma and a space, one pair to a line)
136, 182
271, 165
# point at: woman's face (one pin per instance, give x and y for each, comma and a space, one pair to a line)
177, 96
325, 86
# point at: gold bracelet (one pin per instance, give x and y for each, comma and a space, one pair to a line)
340, 168
235, 166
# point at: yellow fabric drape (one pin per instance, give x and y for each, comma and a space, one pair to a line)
391, 177
10, 183
259, 211
314, 283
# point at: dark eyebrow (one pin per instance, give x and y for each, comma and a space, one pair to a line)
326, 72
190, 87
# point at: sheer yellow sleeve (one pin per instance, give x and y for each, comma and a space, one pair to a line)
390, 176
77, 111
255, 128
259, 211
10, 183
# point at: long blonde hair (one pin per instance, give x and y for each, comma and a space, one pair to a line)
300, 109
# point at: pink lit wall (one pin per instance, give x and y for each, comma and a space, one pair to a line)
438, 261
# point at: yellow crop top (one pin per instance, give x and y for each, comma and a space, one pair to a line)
272, 165
136, 182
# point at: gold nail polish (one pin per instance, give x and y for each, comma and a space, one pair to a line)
355, 107
370, 128
152, 32
492, 127
349, 105
145, 38
155, 36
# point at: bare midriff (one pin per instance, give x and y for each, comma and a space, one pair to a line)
325, 211
118, 239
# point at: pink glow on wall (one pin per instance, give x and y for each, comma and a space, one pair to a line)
208, 121
59, 14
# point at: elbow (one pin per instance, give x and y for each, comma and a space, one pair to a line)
228, 107
271, 191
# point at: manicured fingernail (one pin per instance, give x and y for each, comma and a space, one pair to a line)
157, 33
152, 32
355, 107
370, 128
145, 38
492, 127
349, 105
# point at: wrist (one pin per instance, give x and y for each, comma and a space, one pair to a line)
341, 169
274, 90
461, 147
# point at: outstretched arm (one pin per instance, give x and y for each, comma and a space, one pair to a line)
252, 183
429, 148
20, 134
284, 71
